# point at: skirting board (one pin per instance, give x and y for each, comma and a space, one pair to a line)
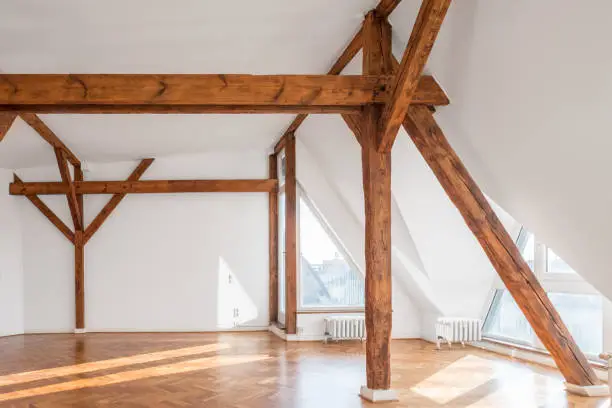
314, 337
67, 331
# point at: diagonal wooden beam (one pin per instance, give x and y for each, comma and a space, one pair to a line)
115, 200
498, 245
71, 195
386, 7
43, 130
48, 213
347, 55
6, 121
424, 33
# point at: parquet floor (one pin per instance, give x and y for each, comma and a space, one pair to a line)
258, 370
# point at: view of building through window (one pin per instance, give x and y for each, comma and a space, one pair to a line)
581, 312
327, 278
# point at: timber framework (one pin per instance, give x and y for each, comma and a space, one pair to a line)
389, 94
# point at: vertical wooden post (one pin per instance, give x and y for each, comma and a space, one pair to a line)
79, 261
290, 236
377, 193
273, 240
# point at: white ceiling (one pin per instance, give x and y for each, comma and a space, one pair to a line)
190, 36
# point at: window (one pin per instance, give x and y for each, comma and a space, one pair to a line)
580, 307
554, 264
327, 278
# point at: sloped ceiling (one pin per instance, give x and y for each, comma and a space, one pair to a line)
162, 36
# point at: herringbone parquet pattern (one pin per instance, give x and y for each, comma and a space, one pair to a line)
257, 370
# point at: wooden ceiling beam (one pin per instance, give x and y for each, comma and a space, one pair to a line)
6, 121
154, 93
498, 246
48, 213
145, 187
114, 201
386, 7
43, 130
424, 33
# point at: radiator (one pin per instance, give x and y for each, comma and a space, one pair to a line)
344, 328
457, 329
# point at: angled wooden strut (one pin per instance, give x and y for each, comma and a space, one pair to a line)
6, 121
47, 212
71, 194
498, 245
424, 33
47, 134
114, 201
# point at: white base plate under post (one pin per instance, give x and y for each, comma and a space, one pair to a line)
378, 395
600, 390
80, 331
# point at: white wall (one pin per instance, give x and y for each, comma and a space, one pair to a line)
11, 270
160, 262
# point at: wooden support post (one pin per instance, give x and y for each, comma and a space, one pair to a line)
79, 259
71, 195
377, 193
498, 245
290, 236
79, 281
273, 243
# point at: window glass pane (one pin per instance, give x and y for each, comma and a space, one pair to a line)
583, 316
528, 249
327, 279
506, 320
282, 168
554, 264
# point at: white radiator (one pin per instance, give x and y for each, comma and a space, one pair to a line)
457, 329
344, 328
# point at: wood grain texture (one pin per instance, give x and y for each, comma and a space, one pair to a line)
291, 255
205, 89
71, 194
424, 33
377, 193
147, 187
97, 222
79, 279
47, 134
273, 240
6, 121
386, 7
137, 370
48, 213
159, 109
498, 245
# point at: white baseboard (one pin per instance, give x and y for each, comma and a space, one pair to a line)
156, 330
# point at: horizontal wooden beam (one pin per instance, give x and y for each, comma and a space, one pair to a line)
43, 130
146, 187
155, 93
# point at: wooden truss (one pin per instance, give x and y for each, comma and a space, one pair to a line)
374, 105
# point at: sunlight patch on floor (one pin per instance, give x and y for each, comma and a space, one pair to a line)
18, 378
116, 378
456, 379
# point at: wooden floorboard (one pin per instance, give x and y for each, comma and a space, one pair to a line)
240, 370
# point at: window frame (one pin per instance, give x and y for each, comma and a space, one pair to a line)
551, 283
302, 195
